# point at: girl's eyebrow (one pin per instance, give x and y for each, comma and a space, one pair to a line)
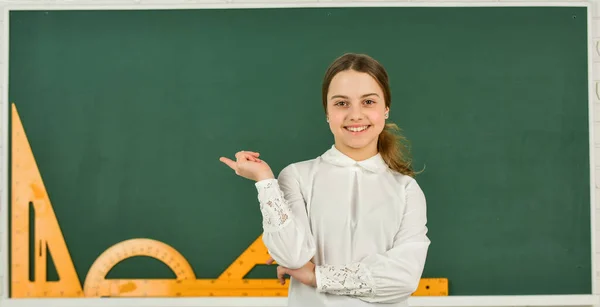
363, 96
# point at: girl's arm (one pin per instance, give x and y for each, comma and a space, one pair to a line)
287, 233
386, 277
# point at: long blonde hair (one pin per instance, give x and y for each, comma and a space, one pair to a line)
392, 146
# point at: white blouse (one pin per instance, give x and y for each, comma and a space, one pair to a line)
363, 224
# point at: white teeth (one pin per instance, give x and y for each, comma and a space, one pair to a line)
357, 129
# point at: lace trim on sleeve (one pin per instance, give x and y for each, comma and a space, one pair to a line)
352, 280
276, 212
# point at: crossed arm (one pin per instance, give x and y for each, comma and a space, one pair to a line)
384, 277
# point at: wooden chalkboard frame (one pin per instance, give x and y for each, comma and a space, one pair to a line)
547, 300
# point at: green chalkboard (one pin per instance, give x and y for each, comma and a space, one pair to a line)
128, 112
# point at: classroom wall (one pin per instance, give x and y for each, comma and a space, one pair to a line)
595, 78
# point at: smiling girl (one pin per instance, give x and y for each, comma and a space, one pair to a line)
349, 226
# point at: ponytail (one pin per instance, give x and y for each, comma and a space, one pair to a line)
394, 150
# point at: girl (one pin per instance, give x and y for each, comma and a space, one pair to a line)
349, 226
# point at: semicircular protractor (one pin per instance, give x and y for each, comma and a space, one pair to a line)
97, 285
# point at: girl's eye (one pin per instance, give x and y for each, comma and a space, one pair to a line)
369, 101
340, 103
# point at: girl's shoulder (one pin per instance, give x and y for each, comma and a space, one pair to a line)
300, 168
405, 181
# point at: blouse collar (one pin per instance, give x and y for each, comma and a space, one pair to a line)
375, 164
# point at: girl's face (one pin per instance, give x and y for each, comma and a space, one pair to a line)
356, 112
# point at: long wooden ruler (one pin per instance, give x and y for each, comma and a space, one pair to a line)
29, 193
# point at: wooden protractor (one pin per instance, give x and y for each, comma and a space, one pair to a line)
229, 283
96, 285
28, 190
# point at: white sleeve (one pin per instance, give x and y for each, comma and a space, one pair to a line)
391, 276
287, 233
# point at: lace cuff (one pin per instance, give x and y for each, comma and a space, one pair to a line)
352, 280
275, 210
